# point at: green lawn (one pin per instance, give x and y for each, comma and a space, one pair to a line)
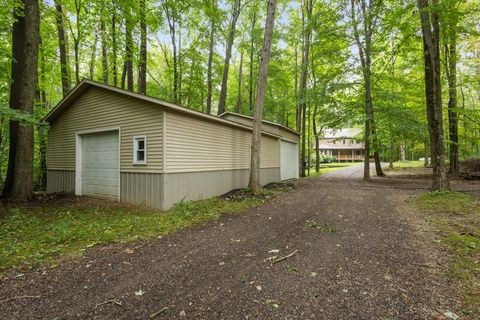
457, 218
329, 167
35, 235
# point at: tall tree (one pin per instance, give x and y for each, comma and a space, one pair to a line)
114, 44
103, 34
93, 56
369, 15
213, 5
254, 182
128, 66
307, 9
429, 19
171, 15
228, 55
142, 66
450, 21
41, 128
77, 36
238, 107
252, 53
25, 42
62, 46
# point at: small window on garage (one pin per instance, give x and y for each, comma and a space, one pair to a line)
140, 150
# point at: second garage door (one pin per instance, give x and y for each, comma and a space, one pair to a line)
100, 164
288, 160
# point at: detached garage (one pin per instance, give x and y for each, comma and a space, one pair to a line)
289, 162
111, 143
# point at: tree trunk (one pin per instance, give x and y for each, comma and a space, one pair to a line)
94, 55
426, 162
308, 7
104, 51
129, 50
76, 39
238, 107
190, 84
402, 151
76, 49
314, 118
171, 19
180, 63
41, 129
298, 111
430, 33
124, 75
62, 46
254, 182
114, 46
252, 48
228, 54
451, 54
391, 154
25, 42
142, 67
210, 56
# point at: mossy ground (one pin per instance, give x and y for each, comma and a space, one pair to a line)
37, 234
457, 218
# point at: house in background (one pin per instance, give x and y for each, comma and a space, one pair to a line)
343, 144
112, 143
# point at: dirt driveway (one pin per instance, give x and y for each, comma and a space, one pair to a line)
356, 257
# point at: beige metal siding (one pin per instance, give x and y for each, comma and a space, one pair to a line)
60, 181
191, 186
144, 189
99, 108
270, 152
289, 135
200, 145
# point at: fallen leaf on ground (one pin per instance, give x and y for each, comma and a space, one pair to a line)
273, 303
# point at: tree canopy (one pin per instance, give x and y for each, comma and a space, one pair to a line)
179, 51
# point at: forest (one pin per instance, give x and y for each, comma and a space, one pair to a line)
406, 71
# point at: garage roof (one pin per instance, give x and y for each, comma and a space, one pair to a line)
85, 84
264, 121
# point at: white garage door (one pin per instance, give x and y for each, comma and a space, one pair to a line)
288, 160
100, 161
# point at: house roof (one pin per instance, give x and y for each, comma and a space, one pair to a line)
264, 121
342, 133
85, 84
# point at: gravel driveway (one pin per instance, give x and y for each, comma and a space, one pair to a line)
357, 254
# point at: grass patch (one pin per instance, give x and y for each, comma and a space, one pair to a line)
447, 202
325, 227
457, 217
330, 167
404, 165
34, 235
